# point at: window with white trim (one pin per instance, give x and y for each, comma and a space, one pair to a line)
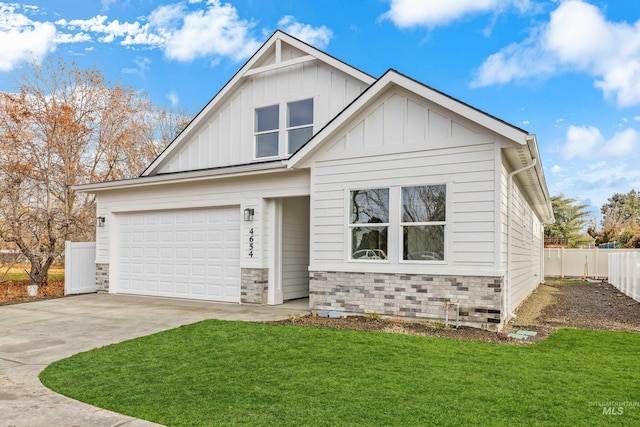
423, 221
275, 135
299, 124
267, 128
369, 224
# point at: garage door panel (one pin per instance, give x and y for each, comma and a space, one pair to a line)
181, 253
198, 253
166, 254
151, 253
185, 254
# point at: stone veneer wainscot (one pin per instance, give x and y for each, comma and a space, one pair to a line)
102, 277
254, 284
416, 296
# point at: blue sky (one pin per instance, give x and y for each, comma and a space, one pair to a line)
567, 71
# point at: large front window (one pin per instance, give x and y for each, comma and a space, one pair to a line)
400, 224
275, 135
423, 222
369, 223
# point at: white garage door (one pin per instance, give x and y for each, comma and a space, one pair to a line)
183, 253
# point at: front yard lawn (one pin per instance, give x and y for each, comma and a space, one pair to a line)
234, 373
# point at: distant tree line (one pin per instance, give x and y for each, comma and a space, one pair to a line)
63, 126
620, 222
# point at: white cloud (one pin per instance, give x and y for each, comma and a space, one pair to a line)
184, 30
173, 98
431, 13
584, 142
21, 38
106, 4
167, 16
318, 37
108, 32
72, 38
141, 68
598, 182
214, 31
556, 169
622, 144
578, 37
581, 142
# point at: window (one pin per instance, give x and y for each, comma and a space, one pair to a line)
298, 126
423, 222
369, 224
266, 130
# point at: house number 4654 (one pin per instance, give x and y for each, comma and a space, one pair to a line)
251, 243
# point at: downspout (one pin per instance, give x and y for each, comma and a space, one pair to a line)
507, 293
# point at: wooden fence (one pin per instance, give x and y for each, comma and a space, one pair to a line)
624, 273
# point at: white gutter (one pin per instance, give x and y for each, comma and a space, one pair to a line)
507, 293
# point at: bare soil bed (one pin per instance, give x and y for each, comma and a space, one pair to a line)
556, 304
577, 304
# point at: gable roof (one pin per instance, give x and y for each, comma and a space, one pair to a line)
257, 64
524, 152
394, 78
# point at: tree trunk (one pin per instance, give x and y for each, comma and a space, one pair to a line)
39, 272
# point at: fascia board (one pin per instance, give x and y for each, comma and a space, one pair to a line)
182, 177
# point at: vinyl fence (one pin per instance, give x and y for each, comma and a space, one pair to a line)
592, 263
79, 267
624, 273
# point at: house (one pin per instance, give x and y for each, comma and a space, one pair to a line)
305, 177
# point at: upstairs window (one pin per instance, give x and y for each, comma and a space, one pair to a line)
299, 124
423, 222
369, 224
267, 124
276, 135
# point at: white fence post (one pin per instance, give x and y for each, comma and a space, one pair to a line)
624, 272
635, 262
79, 267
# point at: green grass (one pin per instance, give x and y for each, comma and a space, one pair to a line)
234, 373
18, 273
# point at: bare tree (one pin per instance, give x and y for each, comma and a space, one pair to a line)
65, 126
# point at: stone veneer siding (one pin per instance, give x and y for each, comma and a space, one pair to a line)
418, 296
254, 283
102, 277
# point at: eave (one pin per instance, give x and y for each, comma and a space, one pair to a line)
185, 177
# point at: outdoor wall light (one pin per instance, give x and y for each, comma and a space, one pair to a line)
100, 221
248, 214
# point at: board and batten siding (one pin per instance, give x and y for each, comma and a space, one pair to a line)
226, 137
295, 248
526, 242
399, 141
247, 191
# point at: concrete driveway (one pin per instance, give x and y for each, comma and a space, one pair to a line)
35, 334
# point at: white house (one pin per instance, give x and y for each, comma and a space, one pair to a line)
305, 177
